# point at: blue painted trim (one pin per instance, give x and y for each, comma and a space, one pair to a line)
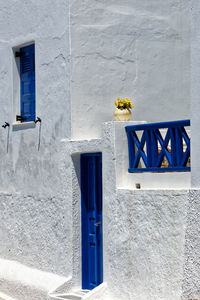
91, 215
181, 123
27, 83
151, 136
174, 169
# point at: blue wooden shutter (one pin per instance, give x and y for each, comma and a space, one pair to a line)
27, 76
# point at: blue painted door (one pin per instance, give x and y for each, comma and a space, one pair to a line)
91, 205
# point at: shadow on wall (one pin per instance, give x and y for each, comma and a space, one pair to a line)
76, 217
76, 163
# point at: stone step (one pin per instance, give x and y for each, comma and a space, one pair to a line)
81, 292
68, 297
74, 295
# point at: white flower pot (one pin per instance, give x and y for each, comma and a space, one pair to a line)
122, 114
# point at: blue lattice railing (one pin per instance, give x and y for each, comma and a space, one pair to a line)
159, 147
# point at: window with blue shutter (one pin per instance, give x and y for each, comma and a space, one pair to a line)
27, 82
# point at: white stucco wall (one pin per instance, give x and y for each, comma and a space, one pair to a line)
191, 288
143, 230
144, 246
135, 49
139, 50
195, 90
34, 173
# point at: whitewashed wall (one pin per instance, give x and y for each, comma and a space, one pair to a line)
136, 49
195, 90
143, 230
145, 256
191, 287
144, 234
34, 174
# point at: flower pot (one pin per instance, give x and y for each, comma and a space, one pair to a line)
122, 114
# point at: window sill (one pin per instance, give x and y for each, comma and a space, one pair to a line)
25, 125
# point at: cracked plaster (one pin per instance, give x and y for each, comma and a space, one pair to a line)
116, 50
135, 49
35, 175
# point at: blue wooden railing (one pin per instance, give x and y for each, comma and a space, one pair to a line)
148, 146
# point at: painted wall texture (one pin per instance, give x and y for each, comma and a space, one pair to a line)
144, 230
146, 243
35, 211
135, 49
191, 289
87, 54
195, 89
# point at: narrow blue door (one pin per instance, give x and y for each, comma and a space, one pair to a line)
91, 205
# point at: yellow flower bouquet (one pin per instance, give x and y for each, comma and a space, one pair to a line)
122, 110
124, 103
